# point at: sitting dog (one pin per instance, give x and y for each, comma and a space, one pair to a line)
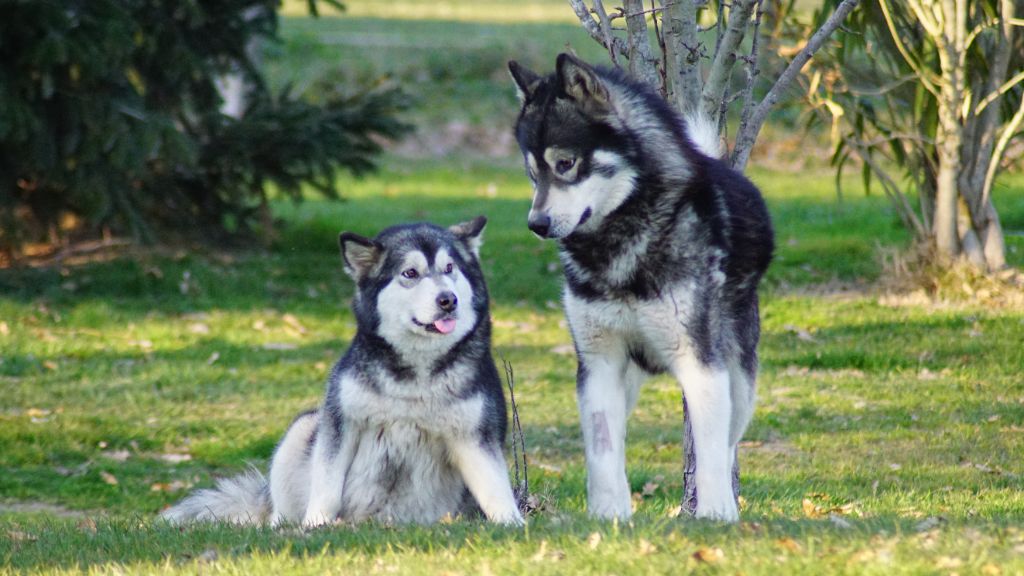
412, 426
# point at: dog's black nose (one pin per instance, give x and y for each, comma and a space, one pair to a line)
540, 224
447, 301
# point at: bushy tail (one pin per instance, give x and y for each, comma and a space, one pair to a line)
244, 499
703, 134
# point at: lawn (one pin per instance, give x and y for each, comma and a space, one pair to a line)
887, 438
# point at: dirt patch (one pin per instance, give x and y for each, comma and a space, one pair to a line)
39, 508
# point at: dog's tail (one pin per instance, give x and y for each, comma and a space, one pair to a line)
703, 134
243, 499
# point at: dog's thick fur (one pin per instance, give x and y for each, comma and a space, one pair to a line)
413, 423
663, 246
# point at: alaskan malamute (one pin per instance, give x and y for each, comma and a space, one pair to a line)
663, 246
413, 423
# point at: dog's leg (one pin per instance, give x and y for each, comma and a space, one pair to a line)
708, 397
329, 462
603, 398
485, 473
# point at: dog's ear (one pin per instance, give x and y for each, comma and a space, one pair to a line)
471, 233
580, 83
526, 80
359, 254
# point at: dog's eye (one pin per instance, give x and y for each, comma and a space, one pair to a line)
411, 273
448, 269
564, 165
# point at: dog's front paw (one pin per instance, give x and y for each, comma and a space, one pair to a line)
610, 510
315, 520
722, 511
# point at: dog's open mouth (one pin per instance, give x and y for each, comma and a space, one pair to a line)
439, 326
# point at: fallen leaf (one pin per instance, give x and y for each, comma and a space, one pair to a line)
4, 329
594, 540
87, 525
649, 489
213, 359
811, 510
50, 365
645, 547
175, 458
709, 555
19, 536
948, 562
199, 328
116, 455
172, 486
789, 544
108, 478
293, 322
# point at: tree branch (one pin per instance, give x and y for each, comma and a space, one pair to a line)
747, 135
927, 76
594, 29
606, 31
725, 57
1009, 131
642, 64
683, 54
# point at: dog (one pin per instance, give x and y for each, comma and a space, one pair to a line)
662, 246
413, 423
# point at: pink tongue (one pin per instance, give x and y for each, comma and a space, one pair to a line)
445, 326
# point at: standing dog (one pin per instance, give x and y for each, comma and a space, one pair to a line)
413, 423
663, 246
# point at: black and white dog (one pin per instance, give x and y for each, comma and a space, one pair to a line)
663, 246
413, 423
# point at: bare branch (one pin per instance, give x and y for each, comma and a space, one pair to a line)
725, 56
1009, 131
1006, 87
594, 29
642, 63
753, 70
747, 135
683, 53
606, 30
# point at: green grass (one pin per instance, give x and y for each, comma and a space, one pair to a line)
887, 438
902, 421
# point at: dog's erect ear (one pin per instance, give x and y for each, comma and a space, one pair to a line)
526, 80
471, 233
581, 83
359, 254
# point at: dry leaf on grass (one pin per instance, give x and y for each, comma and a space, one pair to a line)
709, 555
108, 478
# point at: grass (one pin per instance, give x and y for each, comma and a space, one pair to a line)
127, 382
887, 437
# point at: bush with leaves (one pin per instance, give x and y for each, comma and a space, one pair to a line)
110, 118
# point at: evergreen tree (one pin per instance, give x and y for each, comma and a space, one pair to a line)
110, 116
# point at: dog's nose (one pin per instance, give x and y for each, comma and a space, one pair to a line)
540, 224
447, 301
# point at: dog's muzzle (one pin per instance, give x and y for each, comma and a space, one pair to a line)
540, 224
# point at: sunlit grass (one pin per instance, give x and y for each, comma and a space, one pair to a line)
126, 383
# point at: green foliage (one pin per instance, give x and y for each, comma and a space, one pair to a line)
109, 111
880, 88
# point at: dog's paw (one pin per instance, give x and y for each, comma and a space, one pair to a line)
314, 521
609, 511
725, 511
